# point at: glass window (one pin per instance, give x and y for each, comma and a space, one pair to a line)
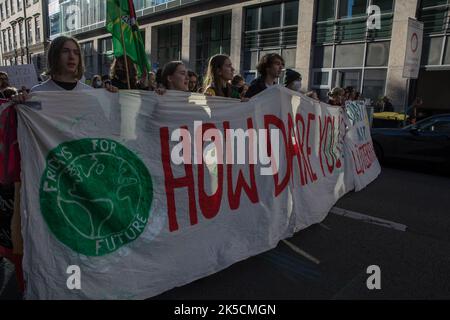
291, 13
432, 3
54, 24
348, 78
374, 83
271, 16
447, 52
323, 56
251, 19
269, 39
385, 5
441, 127
320, 78
216, 28
432, 48
377, 54
349, 55
37, 27
250, 60
352, 8
326, 10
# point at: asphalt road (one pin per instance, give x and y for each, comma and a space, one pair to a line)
401, 223
411, 245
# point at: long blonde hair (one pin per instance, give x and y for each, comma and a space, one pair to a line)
212, 78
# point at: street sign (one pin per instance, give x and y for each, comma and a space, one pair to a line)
413, 50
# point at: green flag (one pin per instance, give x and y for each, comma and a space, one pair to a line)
121, 14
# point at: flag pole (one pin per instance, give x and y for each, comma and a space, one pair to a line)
125, 54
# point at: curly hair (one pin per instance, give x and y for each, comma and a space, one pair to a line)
267, 61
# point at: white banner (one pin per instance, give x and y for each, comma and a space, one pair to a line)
115, 195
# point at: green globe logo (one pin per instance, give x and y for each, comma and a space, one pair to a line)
95, 195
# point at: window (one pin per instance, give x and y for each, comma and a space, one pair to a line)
12, 6
105, 56
4, 41
270, 28
14, 36
251, 19
441, 127
291, 13
213, 37
374, 83
10, 44
326, 10
19, 5
435, 16
29, 32
352, 8
323, 56
377, 54
271, 16
7, 9
432, 48
21, 34
55, 27
37, 26
169, 43
1, 12
349, 55
447, 52
349, 23
88, 55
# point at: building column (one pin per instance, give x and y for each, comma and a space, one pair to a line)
395, 83
148, 44
95, 59
188, 43
306, 17
237, 14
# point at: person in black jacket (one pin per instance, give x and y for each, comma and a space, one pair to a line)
269, 68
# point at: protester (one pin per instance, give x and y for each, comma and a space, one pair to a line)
412, 111
293, 80
312, 95
96, 82
119, 73
193, 81
174, 76
9, 92
349, 93
65, 68
336, 96
238, 84
269, 67
151, 81
218, 76
106, 80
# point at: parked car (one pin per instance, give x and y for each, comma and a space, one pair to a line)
426, 141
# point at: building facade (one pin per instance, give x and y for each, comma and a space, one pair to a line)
327, 41
23, 32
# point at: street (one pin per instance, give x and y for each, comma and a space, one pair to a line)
329, 260
400, 222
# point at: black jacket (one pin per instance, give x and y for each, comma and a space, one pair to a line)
256, 87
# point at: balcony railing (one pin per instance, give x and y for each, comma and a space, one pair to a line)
353, 29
